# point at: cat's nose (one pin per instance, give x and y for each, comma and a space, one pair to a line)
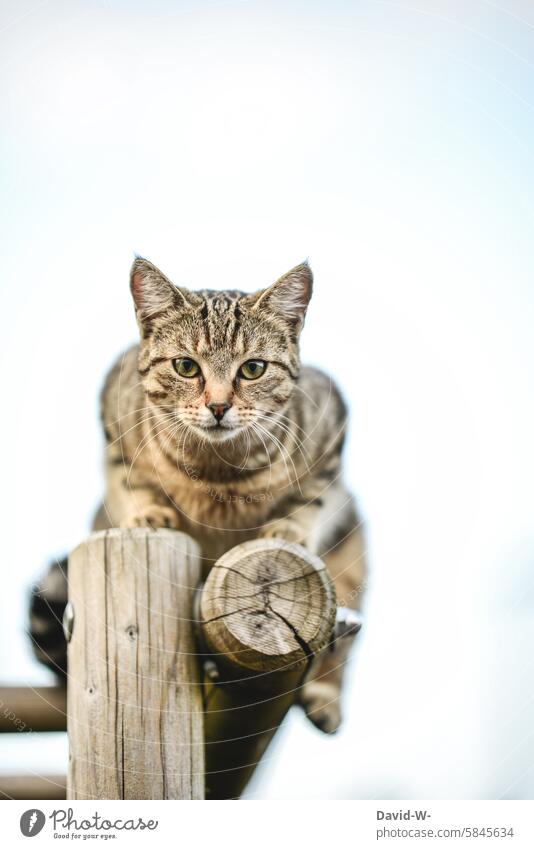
218, 410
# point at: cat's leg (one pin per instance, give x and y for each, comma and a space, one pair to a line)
324, 520
132, 502
321, 694
299, 516
47, 604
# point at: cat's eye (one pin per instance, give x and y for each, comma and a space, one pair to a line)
186, 367
252, 369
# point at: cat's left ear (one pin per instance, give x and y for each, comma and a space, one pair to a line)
153, 293
290, 295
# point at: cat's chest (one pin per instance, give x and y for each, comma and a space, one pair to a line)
240, 504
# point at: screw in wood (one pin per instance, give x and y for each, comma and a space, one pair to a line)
68, 621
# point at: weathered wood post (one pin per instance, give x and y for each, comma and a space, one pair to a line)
140, 720
135, 714
267, 609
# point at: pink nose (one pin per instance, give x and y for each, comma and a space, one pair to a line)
218, 410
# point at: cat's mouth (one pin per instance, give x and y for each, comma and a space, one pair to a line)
218, 432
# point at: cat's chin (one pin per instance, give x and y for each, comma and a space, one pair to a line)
218, 434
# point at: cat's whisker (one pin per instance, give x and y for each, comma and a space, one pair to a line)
284, 428
124, 433
298, 443
186, 431
245, 461
144, 443
171, 437
274, 414
267, 454
289, 456
277, 417
143, 420
283, 454
133, 412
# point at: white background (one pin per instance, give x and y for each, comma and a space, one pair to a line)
391, 142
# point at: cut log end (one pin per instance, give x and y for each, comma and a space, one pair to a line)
266, 606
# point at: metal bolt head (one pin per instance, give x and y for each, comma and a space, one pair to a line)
348, 622
68, 621
211, 671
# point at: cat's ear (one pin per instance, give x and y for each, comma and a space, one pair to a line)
289, 296
152, 292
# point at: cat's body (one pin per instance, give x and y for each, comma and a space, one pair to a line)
213, 428
224, 494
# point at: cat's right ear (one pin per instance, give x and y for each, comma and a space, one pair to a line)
152, 292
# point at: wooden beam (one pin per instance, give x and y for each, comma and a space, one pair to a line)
267, 610
33, 709
135, 714
32, 786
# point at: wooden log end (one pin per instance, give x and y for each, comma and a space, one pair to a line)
267, 606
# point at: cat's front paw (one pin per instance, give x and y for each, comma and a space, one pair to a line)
286, 529
320, 701
152, 516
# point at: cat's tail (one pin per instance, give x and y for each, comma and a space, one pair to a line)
47, 603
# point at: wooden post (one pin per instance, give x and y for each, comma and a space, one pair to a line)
135, 701
267, 609
135, 716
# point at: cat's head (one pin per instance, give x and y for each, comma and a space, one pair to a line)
219, 362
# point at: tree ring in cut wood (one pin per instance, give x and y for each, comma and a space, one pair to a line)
266, 606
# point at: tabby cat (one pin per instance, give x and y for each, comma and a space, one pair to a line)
214, 428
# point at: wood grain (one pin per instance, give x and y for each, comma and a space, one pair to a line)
267, 609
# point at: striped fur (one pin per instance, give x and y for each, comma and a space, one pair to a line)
270, 467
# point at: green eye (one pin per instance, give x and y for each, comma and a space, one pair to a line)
186, 367
252, 369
